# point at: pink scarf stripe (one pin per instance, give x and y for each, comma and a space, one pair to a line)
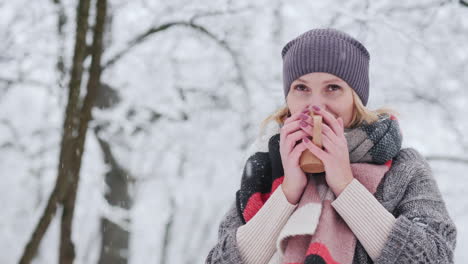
315, 232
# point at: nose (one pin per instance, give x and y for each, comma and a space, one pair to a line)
316, 102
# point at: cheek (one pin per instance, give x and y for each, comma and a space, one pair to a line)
347, 116
295, 105
345, 108
345, 113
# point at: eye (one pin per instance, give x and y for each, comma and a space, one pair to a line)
334, 87
300, 87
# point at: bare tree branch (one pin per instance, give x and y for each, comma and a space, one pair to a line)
115, 237
417, 7
245, 127
69, 129
60, 64
190, 23
6, 81
67, 249
449, 117
10, 81
148, 33
219, 13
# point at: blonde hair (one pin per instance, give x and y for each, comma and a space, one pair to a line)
361, 114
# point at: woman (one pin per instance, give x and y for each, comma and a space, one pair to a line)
374, 203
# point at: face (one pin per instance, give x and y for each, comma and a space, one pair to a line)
324, 90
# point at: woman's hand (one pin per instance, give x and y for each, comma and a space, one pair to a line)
295, 179
335, 156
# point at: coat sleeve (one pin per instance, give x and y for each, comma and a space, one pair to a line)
226, 250
253, 242
423, 231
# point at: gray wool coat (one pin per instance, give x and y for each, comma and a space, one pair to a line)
423, 231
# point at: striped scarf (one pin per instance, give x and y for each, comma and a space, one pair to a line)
315, 233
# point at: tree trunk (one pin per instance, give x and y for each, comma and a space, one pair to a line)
115, 239
67, 251
70, 130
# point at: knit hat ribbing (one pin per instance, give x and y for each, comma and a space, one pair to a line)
327, 50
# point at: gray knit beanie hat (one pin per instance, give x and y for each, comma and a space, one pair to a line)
327, 50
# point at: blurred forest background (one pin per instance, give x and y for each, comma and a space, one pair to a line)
124, 124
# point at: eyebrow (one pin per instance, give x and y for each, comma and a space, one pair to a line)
327, 81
